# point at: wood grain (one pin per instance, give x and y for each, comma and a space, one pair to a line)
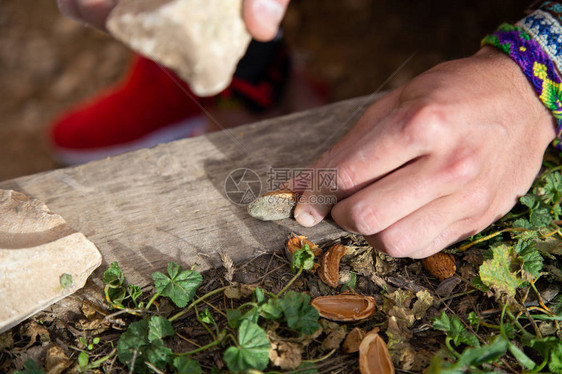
168, 203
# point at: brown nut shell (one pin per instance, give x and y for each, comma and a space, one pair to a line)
353, 340
329, 270
296, 242
373, 356
345, 307
274, 205
440, 265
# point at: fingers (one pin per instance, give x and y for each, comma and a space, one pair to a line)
380, 143
381, 204
263, 17
433, 227
92, 12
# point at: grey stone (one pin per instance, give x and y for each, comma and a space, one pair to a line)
202, 40
37, 250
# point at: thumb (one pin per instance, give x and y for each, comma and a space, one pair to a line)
263, 17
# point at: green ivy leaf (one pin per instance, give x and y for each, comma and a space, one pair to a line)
455, 330
522, 223
235, 317
550, 349
66, 281
350, 284
305, 368
552, 187
253, 349
474, 320
113, 275
184, 365
540, 212
136, 339
30, 367
113, 279
159, 328
83, 359
532, 259
180, 286
302, 258
271, 310
260, 295
485, 354
134, 291
206, 317
497, 274
299, 314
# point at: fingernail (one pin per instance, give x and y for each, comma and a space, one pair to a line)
305, 219
269, 13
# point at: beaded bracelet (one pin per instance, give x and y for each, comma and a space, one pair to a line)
535, 64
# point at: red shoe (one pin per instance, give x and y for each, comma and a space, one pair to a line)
151, 106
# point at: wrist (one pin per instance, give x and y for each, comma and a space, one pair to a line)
518, 83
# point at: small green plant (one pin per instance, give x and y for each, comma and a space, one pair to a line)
142, 347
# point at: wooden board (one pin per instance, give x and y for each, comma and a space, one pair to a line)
148, 207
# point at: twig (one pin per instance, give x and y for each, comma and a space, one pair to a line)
195, 302
327, 355
153, 368
188, 340
132, 368
290, 283
488, 237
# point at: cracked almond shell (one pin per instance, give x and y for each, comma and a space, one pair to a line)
274, 205
373, 355
329, 270
296, 242
353, 340
345, 307
440, 265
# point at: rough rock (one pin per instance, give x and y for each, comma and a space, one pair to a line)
42, 259
202, 40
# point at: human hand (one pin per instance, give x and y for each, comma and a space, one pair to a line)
262, 17
438, 159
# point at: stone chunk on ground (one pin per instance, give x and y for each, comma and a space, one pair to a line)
42, 259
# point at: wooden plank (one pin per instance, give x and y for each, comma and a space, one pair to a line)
148, 207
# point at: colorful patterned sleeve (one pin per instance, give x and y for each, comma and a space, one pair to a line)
535, 44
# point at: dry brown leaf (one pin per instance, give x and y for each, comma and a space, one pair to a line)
345, 307
88, 309
362, 261
440, 265
373, 356
33, 329
286, 355
353, 340
329, 270
238, 291
95, 326
422, 304
334, 338
56, 361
